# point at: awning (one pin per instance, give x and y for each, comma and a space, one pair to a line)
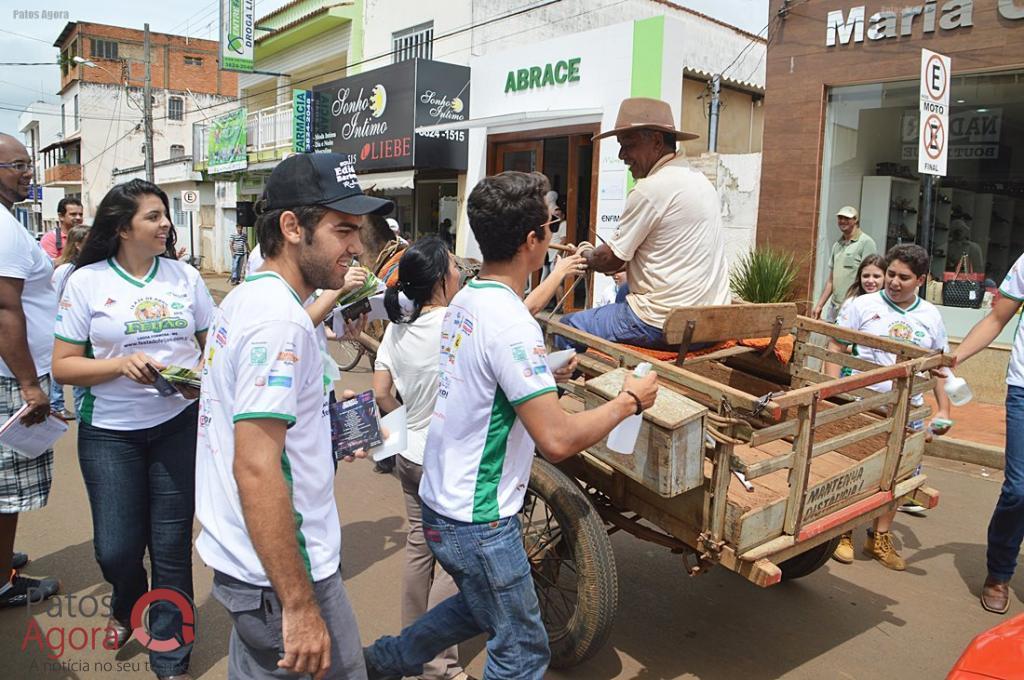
560, 118
387, 181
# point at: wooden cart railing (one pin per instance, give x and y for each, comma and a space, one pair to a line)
739, 416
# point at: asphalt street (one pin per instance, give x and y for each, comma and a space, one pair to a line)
856, 621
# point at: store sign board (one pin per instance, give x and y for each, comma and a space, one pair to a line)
237, 34
370, 117
933, 129
302, 121
226, 145
548, 75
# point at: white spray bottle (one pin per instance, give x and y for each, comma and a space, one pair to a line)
623, 438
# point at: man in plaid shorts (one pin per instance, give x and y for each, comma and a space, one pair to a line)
28, 307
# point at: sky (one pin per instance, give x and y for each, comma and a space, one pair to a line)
30, 38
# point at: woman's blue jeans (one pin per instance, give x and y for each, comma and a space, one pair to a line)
141, 487
1006, 529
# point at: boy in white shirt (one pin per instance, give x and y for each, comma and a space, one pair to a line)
897, 313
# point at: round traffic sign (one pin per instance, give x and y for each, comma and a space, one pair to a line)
936, 85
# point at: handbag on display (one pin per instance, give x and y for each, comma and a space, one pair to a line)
963, 287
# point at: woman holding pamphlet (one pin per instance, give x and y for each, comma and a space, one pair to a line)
127, 313
408, 361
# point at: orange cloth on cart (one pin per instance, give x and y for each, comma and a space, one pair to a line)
783, 349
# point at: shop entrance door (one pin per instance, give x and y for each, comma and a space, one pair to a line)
567, 158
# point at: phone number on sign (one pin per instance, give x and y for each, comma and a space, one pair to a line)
450, 135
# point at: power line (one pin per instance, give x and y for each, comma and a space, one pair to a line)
29, 63
23, 35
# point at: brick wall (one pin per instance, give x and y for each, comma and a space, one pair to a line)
800, 70
168, 69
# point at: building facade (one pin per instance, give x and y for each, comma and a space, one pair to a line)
39, 125
842, 127
101, 134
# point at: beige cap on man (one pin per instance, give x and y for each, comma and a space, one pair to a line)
847, 211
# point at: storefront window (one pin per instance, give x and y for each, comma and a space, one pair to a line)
977, 209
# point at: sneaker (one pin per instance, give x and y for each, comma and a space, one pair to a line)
844, 551
880, 547
19, 560
913, 508
25, 591
67, 415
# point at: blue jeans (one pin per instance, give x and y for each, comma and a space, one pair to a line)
56, 396
1006, 529
616, 323
496, 596
236, 267
141, 487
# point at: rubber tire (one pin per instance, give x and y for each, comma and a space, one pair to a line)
810, 561
597, 584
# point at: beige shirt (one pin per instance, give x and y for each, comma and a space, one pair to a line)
670, 233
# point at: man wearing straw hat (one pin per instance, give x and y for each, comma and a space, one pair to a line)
669, 237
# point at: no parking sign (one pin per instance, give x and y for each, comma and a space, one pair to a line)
189, 201
933, 135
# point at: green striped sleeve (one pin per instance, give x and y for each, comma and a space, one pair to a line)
263, 415
528, 397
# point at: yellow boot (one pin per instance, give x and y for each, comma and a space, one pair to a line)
880, 547
844, 551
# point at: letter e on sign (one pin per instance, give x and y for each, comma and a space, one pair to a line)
189, 201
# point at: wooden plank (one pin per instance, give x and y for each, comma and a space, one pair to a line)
720, 478
836, 443
801, 466
840, 358
720, 354
813, 377
735, 377
765, 467
827, 413
836, 386
894, 450
859, 338
715, 323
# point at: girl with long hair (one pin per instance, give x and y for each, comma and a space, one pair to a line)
128, 311
64, 265
408, 361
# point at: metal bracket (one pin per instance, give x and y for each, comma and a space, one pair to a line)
684, 346
762, 403
776, 332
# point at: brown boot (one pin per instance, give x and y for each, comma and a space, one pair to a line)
995, 596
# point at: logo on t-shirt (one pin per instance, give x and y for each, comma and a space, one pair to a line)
258, 355
152, 316
901, 331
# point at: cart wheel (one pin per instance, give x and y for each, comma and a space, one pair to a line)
573, 565
808, 562
349, 353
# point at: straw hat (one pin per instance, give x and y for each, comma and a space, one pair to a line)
638, 113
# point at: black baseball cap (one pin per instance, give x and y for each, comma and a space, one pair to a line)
326, 179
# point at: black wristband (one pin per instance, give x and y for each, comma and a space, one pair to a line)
639, 404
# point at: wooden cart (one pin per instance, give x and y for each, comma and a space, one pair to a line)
820, 456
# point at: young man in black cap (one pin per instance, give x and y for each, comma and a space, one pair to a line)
264, 478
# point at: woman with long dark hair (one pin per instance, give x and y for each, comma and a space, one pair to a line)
128, 311
408, 360
63, 266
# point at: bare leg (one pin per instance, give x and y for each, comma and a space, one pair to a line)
884, 522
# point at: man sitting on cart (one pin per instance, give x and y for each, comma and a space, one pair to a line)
669, 238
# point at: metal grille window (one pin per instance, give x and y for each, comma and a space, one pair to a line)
193, 61
413, 43
177, 150
175, 108
104, 49
76, 112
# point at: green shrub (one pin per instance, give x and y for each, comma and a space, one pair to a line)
764, 275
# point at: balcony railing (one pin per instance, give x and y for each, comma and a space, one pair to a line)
64, 172
268, 129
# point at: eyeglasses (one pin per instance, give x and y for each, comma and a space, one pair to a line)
20, 166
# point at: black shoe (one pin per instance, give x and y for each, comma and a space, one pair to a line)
25, 591
19, 560
117, 633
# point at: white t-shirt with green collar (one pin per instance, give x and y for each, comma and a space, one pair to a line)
114, 314
263, 361
477, 460
1013, 287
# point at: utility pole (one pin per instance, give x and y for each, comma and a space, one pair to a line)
147, 108
714, 109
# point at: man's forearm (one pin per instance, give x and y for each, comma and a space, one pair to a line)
14, 348
586, 428
269, 518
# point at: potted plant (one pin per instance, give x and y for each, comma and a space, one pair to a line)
764, 275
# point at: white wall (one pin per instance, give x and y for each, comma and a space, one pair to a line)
382, 18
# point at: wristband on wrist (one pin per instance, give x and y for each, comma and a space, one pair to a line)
639, 404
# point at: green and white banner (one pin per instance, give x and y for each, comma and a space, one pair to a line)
226, 143
237, 34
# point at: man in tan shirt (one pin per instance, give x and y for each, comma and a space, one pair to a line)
669, 238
